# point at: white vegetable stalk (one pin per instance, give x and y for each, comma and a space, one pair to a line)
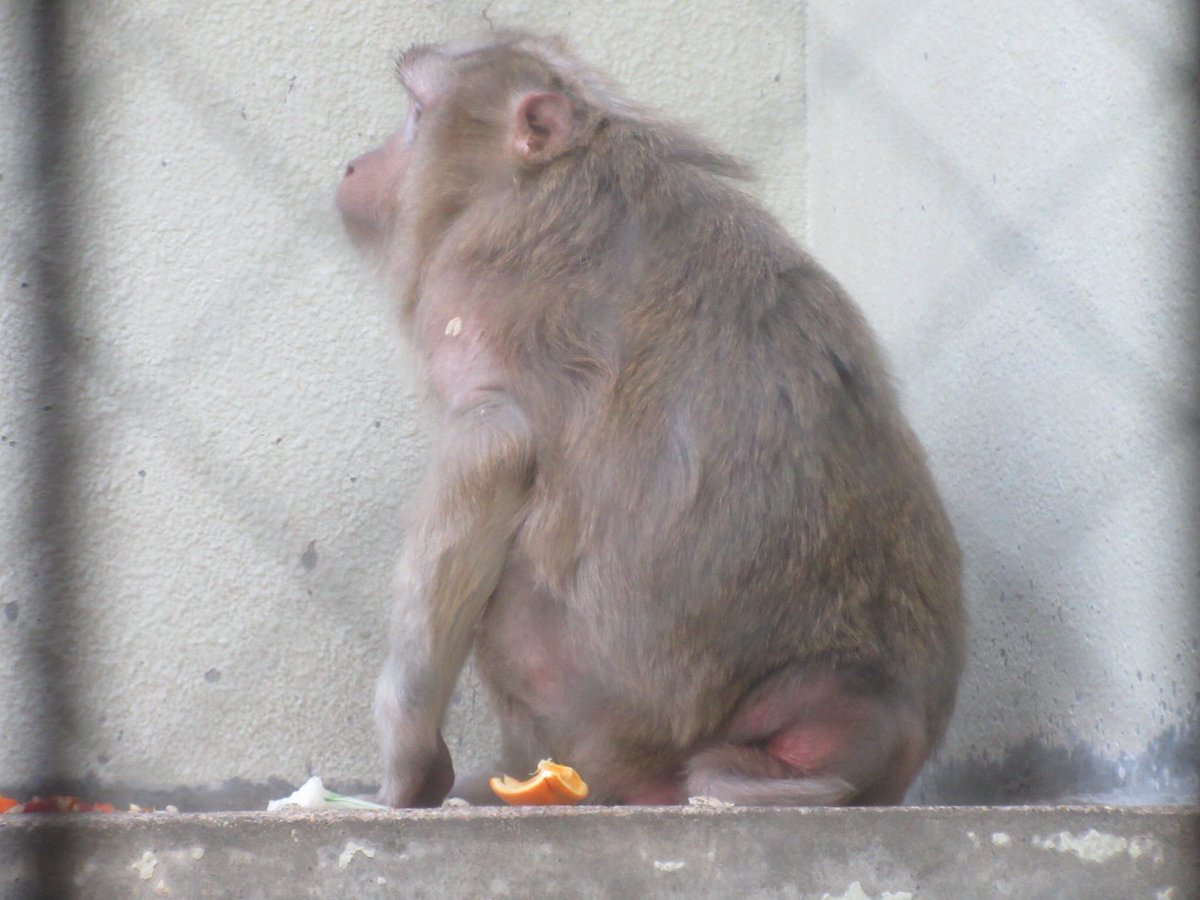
312, 795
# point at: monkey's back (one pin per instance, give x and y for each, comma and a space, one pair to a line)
739, 490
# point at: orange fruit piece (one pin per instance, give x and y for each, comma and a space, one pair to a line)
551, 785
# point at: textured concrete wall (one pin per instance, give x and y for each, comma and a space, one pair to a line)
1010, 190
242, 425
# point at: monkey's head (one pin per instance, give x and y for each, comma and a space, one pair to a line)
482, 118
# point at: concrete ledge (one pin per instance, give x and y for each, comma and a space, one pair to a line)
848, 854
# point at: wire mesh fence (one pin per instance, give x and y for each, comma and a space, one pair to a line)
1030, 260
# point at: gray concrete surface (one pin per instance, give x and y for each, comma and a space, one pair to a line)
832, 854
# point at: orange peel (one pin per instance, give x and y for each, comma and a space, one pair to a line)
551, 785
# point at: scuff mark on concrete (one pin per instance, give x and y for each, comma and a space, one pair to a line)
1098, 847
1000, 839
670, 865
856, 892
145, 866
351, 849
309, 558
1145, 846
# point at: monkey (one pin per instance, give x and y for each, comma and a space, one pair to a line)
673, 507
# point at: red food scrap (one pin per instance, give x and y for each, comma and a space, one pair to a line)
56, 803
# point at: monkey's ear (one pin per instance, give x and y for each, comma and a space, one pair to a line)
543, 127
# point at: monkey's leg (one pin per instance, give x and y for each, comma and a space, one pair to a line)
813, 741
454, 553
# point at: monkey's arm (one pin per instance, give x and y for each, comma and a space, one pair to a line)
463, 523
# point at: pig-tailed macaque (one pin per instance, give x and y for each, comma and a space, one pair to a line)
673, 507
